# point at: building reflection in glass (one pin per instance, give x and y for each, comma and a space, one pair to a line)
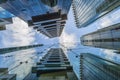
93, 67
19, 63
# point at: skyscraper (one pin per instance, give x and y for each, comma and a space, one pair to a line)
93, 67
108, 37
53, 66
12, 49
87, 11
50, 24
47, 16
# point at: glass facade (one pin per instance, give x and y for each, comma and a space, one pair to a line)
5, 18
53, 66
25, 9
5, 14
12, 49
87, 11
96, 68
108, 37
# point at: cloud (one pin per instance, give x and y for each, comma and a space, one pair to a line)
109, 54
68, 40
105, 22
17, 34
109, 19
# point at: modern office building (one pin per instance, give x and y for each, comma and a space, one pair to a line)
53, 66
87, 11
93, 67
108, 37
50, 24
5, 76
47, 16
12, 49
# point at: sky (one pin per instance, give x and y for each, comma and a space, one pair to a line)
19, 34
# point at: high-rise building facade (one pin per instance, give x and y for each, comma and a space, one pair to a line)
50, 24
53, 66
47, 16
93, 67
87, 11
12, 49
5, 14
108, 37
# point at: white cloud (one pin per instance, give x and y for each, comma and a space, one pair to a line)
109, 19
109, 54
17, 34
68, 40
68, 37
105, 22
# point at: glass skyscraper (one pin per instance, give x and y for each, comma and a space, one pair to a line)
108, 37
87, 11
12, 49
93, 67
53, 66
5, 14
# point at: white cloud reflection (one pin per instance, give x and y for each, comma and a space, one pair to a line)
110, 55
109, 19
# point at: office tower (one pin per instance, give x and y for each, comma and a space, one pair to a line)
50, 24
108, 37
87, 11
5, 76
53, 66
12, 49
93, 67
47, 16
